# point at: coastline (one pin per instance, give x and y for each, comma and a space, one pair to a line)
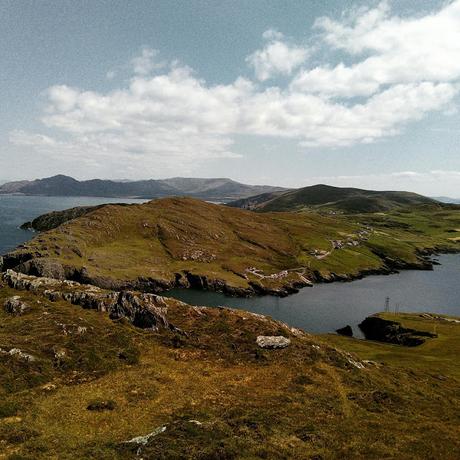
26, 263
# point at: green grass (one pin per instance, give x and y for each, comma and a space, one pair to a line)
159, 239
333, 199
436, 356
304, 401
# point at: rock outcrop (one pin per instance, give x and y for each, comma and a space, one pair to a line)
346, 331
146, 311
16, 352
15, 306
383, 330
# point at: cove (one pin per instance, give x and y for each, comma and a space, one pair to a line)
324, 308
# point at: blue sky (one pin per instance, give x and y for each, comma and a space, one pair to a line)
289, 93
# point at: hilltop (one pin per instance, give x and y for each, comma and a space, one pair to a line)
326, 197
220, 189
184, 242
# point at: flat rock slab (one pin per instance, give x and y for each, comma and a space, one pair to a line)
272, 341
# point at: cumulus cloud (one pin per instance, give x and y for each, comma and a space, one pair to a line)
277, 57
396, 50
405, 68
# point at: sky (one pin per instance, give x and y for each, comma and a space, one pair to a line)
349, 93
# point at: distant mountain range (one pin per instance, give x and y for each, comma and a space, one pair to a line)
446, 199
350, 200
220, 189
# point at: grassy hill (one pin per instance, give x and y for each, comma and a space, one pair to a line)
183, 242
325, 197
93, 384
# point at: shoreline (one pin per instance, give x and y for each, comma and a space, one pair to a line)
29, 265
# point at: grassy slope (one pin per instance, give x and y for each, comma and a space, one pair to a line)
435, 357
300, 402
333, 198
163, 237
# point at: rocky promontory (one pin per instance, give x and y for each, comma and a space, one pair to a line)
384, 330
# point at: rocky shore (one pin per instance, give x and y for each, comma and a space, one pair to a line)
36, 265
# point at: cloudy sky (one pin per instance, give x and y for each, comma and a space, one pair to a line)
288, 93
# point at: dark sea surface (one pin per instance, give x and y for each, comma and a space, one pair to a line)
322, 308
17, 209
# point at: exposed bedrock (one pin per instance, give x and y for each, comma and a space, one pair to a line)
146, 311
383, 330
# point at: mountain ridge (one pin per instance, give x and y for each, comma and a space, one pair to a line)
218, 189
446, 199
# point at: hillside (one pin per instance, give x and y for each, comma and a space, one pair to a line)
92, 383
183, 242
325, 197
53, 219
209, 189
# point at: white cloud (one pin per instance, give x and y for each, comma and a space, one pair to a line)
320, 122
146, 62
395, 50
272, 34
408, 69
277, 57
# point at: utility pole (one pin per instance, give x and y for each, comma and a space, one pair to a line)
387, 304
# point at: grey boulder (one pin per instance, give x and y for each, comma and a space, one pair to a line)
272, 341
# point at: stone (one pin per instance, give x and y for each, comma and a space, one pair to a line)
49, 387
15, 306
272, 341
346, 331
60, 354
101, 405
143, 440
21, 355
